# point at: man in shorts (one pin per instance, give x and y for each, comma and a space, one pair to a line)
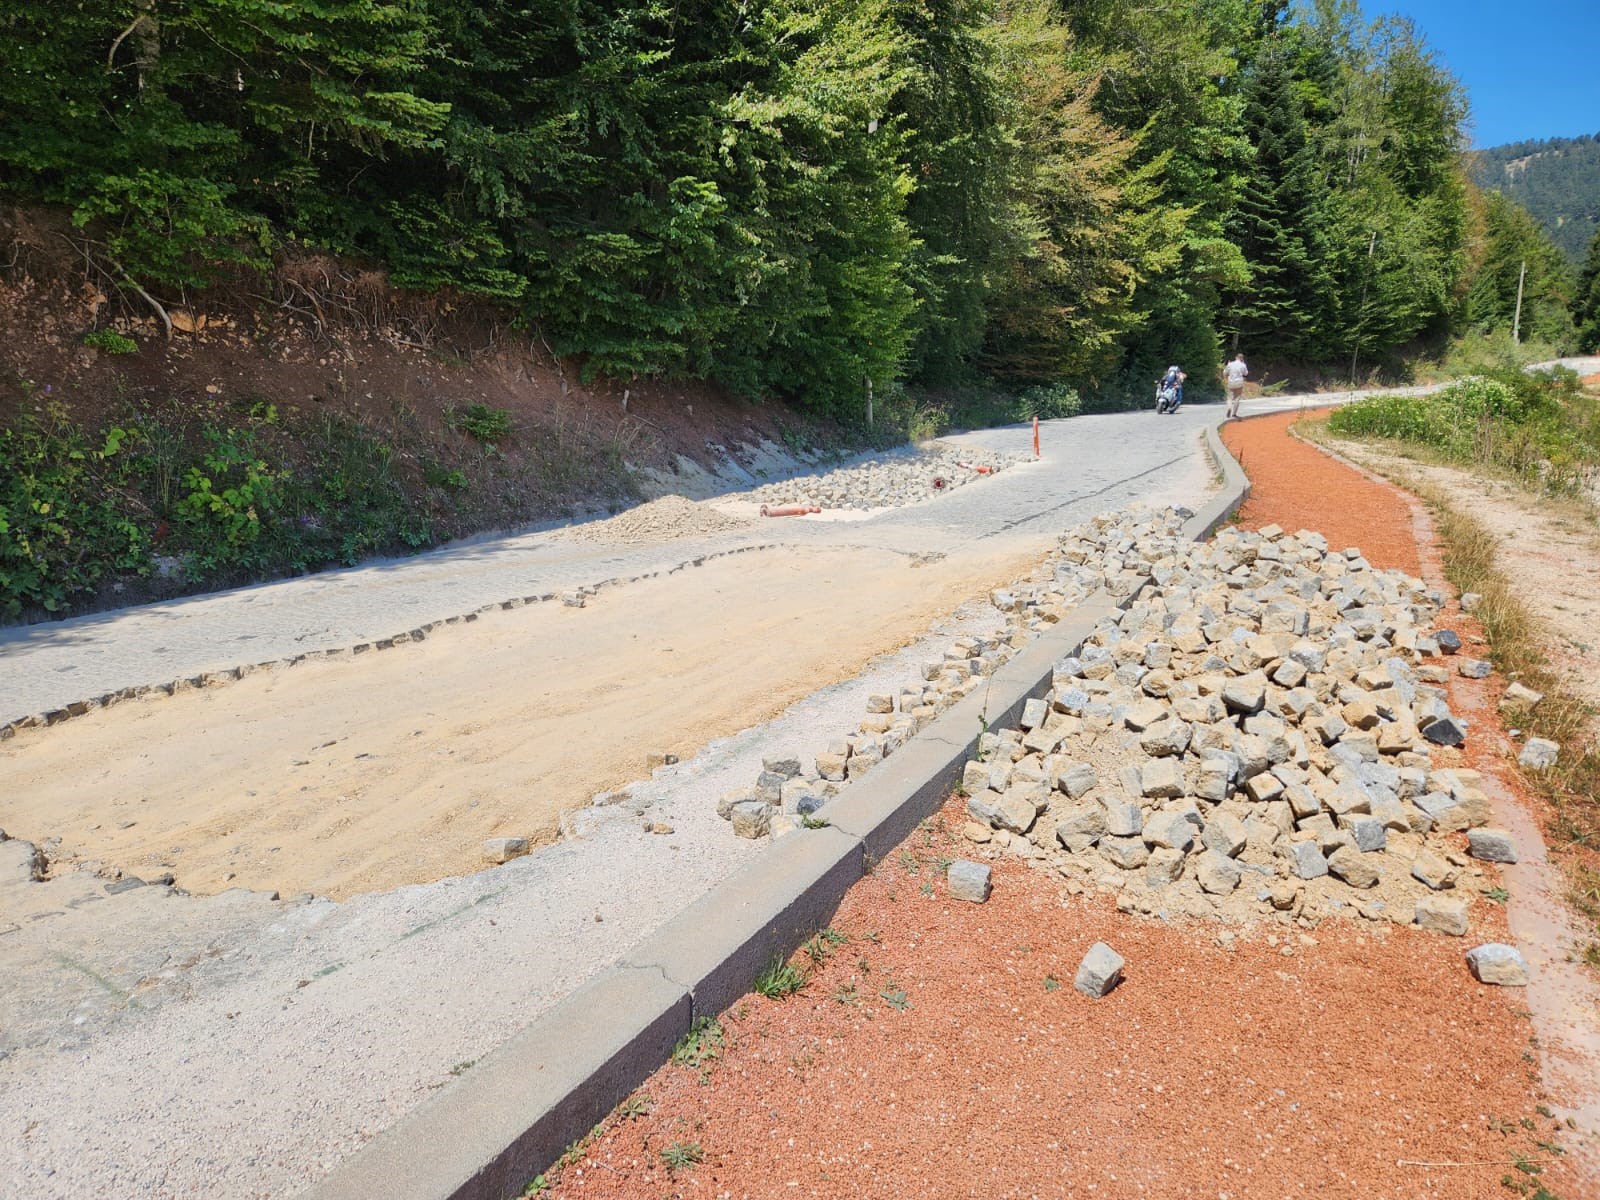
1233, 375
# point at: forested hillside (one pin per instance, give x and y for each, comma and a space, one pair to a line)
1556, 179
789, 197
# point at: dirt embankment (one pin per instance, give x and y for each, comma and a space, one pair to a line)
320, 364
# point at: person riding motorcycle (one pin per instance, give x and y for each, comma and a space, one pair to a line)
1169, 390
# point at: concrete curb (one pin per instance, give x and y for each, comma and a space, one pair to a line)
512, 1115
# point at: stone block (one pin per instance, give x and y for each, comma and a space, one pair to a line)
1216, 873
1225, 834
1161, 777
1164, 867
1129, 853
1076, 778
1100, 971
1474, 668
969, 880
1306, 860
1166, 739
1349, 864
1491, 845
504, 849
1539, 754
1432, 871
1081, 827
1446, 731
1123, 818
1497, 963
1520, 696
751, 819
1442, 914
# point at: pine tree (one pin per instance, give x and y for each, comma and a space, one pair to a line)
1586, 301
1278, 221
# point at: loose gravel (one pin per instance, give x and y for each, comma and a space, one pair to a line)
889, 482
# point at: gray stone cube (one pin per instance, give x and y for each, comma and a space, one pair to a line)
1100, 971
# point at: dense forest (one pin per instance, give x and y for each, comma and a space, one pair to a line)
1556, 179
793, 197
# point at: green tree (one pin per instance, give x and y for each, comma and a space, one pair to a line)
1515, 249
1278, 221
1586, 300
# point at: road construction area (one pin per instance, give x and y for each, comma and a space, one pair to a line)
246, 921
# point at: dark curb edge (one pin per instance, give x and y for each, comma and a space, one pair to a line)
486, 1136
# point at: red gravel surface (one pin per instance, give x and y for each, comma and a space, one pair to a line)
939, 1049
1296, 486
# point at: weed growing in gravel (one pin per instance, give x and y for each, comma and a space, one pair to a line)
700, 1047
909, 863
821, 947
635, 1106
683, 1154
848, 995
807, 821
895, 997
1052, 984
1498, 894
780, 979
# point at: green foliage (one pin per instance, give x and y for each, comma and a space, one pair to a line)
224, 497
62, 529
1586, 300
488, 425
700, 1047
779, 979
795, 198
1048, 402
111, 342
1516, 255
680, 1155
1541, 426
1556, 179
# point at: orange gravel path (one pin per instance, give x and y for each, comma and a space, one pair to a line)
1298, 487
942, 1052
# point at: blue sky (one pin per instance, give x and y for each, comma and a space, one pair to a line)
1532, 67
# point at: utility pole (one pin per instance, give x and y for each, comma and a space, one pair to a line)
869, 402
1516, 321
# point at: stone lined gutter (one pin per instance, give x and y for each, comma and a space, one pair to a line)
486, 1136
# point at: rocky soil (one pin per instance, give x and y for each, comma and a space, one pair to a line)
890, 482
1263, 733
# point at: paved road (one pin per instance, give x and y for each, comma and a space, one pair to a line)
1091, 463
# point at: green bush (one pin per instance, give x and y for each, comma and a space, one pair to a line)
1539, 425
1048, 402
487, 425
62, 525
111, 342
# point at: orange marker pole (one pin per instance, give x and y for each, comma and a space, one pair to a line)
1036, 437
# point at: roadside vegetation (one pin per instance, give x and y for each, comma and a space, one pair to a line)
165, 497
1542, 427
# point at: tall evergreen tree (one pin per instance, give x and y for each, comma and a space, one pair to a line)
1586, 300
1278, 220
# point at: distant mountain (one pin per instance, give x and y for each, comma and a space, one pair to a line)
1555, 179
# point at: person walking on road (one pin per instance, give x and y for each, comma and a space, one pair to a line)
1233, 375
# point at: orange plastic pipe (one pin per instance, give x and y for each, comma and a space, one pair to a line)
788, 510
